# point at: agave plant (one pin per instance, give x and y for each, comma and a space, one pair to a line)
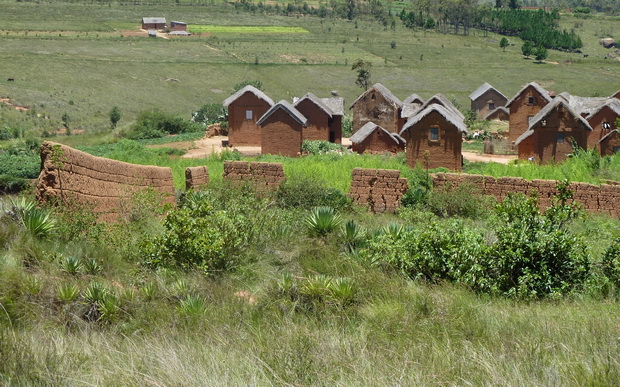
193, 306
148, 290
68, 292
343, 291
322, 220
353, 235
91, 266
37, 221
95, 293
393, 230
109, 308
71, 265
286, 284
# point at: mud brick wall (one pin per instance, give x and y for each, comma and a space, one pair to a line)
260, 175
196, 177
594, 198
69, 175
379, 189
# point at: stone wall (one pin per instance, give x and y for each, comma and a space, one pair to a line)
261, 175
68, 175
594, 198
196, 177
379, 189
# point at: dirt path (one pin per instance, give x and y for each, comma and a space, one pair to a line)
207, 146
475, 157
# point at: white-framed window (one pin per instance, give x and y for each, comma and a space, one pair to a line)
559, 138
433, 134
249, 114
606, 125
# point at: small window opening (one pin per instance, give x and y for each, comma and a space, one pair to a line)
491, 106
433, 134
616, 149
559, 138
531, 100
249, 114
372, 96
544, 122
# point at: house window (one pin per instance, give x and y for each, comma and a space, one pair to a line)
606, 125
616, 149
433, 134
372, 96
531, 101
491, 106
249, 114
559, 138
543, 122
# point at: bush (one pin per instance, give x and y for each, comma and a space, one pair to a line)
153, 124
464, 200
306, 193
11, 185
322, 221
318, 147
611, 262
210, 113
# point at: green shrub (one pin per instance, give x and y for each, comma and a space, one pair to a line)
306, 193
12, 185
153, 124
353, 236
37, 221
464, 200
317, 147
611, 262
210, 113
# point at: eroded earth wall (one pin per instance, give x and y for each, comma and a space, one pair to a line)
260, 175
196, 177
594, 198
71, 176
379, 189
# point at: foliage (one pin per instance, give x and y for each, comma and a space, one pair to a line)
153, 124
37, 221
527, 48
322, 221
256, 83
353, 235
362, 69
319, 290
347, 126
210, 113
20, 160
611, 262
317, 147
464, 200
308, 192
503, 43
115, 116
540, 53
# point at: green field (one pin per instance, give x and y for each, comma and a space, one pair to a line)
198, 29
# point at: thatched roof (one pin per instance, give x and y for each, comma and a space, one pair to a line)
483, 89
544, 113
411, 105
611, 103
447, 113
398, 138
286, 107
612, 133
497, 110
584, 105
615, 95
537, 87
367, 130
379, 88
248, 89
414, 98
318, 102
441, 99
335, 104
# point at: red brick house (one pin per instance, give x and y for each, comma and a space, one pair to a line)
524, 106
282, 129
486, 99
377, 105
616, 95
153, 23
323, 123
610, 143
434, 138
552, 132
371, 138
178, 26
500, 113
603, 121
411, 105
245, 107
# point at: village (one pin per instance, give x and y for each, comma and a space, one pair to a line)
543, 127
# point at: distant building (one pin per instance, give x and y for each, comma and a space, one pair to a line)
610, 143
411, 105
178, 26
603, 121
500, 113
486, 99
282, 128
371, 138
153, 23
553, 132
616, 95
434, 138
524, 106
377, 105
245, 107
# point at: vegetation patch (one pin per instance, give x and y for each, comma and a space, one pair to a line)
215, 29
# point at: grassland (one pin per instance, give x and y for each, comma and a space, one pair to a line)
80, 64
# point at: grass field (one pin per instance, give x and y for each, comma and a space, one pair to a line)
197, 29
79, 63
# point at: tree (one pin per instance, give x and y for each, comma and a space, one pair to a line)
363, 73
115, 116
503, 43
65, 120
527, 48
540, 53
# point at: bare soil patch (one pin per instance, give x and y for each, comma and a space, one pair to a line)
475, 157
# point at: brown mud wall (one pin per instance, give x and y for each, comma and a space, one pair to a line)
71, 176
196, 177
594, 198
260, 175
379, 189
